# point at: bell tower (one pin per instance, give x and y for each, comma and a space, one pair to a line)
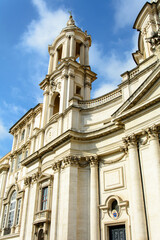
148, 25
69, 75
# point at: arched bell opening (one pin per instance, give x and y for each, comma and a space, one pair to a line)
77, 52
59, 54
56, 104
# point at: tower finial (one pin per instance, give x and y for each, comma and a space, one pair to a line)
70, 12
70, 22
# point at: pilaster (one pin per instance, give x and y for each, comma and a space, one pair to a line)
45, 107
138, 220
50, 64
55, 202
86, 54
152, 179
94, 199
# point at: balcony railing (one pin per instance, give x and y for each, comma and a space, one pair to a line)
42, 216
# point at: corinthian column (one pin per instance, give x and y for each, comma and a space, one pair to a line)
152, 188
86, 54
55, 201
50, 67
138, 221
72, 47
94, 200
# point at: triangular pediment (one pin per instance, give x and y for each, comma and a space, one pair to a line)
147, 94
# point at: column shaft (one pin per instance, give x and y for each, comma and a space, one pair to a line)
50, 68
82, 54
55, 200
72, 47
86, 55
45, 108
55, 60
94, 202
67, 47
138, 221
152, 189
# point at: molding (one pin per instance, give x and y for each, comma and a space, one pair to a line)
4, 167
67, 136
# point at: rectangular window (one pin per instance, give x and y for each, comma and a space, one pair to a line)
26, 153
16, 140
28, 130
18, 211
22, 135
19, 158
12, 165
4, 216
44, 198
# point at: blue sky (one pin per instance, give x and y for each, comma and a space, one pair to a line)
28, 26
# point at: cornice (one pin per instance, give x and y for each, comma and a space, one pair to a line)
22, 147
67, 63
67, 136
138, 109
23, 120
4, 167
138, 74
140, 91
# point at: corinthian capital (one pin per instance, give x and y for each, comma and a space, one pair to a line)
130, 141
93, 160
152, 132
56, 166
70, 161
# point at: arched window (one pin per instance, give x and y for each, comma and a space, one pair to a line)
59, 54
12, 207
11, 212
41, 235
56, 104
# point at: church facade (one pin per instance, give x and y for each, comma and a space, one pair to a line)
84, 168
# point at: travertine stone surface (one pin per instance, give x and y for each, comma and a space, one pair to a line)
79, 166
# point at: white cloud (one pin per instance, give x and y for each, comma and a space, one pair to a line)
42, 31
126, 11
14, 109
3, 131
110, 66
103, 89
